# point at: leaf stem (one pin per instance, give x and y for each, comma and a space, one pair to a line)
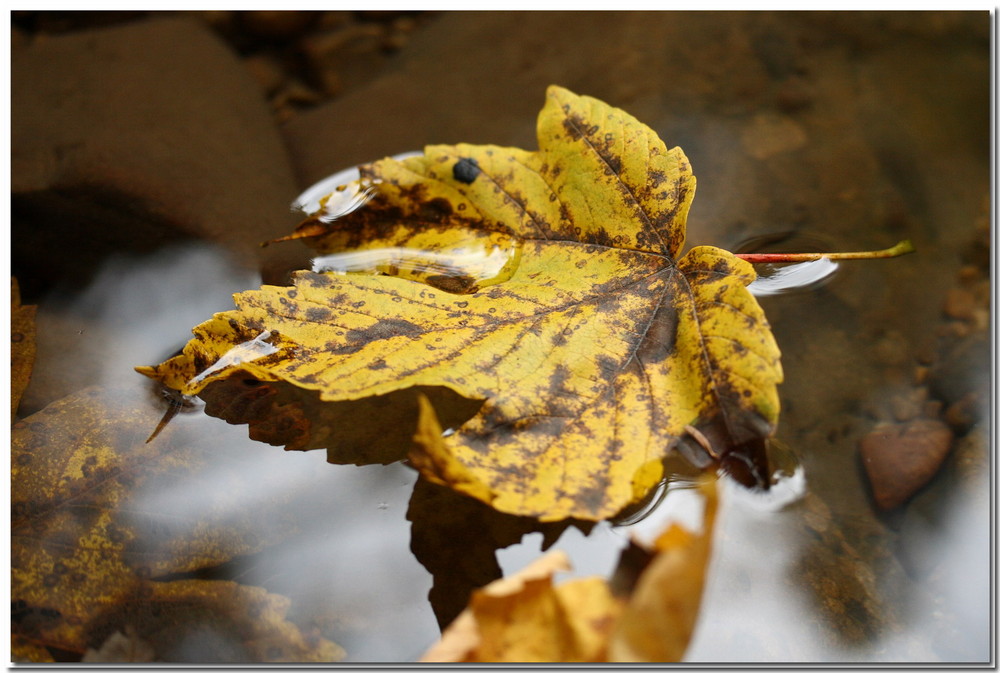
901, 248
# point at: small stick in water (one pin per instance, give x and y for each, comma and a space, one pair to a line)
901, 248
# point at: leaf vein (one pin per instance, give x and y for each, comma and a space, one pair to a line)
647, 223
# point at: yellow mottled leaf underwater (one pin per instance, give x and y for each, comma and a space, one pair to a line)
89, 556
549, 284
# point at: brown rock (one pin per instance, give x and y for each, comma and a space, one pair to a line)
982, 290
901, 458
932, 409
768, 134
297, 92
893, 349
968, 274
18, 38
334, 19
972, 462
431, 95
124, 138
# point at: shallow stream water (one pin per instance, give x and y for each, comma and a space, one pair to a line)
776, 588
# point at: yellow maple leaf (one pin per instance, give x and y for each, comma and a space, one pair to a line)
597, 351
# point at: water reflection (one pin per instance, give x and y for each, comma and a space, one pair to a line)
772, 279
335, 196
248, 351
474, 259
137, 310
674, 501
334, 539
756, 607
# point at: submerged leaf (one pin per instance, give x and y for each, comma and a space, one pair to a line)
87, 545
600, 353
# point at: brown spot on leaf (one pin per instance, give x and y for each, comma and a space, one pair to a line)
318, 314
383, 329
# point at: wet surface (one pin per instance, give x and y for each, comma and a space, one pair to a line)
475, 262
851, 132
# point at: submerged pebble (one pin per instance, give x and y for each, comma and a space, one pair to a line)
901, 458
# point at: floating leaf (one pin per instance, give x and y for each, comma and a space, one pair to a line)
22, 345
87, 549
601, 352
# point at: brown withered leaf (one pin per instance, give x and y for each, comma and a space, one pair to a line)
659, 619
